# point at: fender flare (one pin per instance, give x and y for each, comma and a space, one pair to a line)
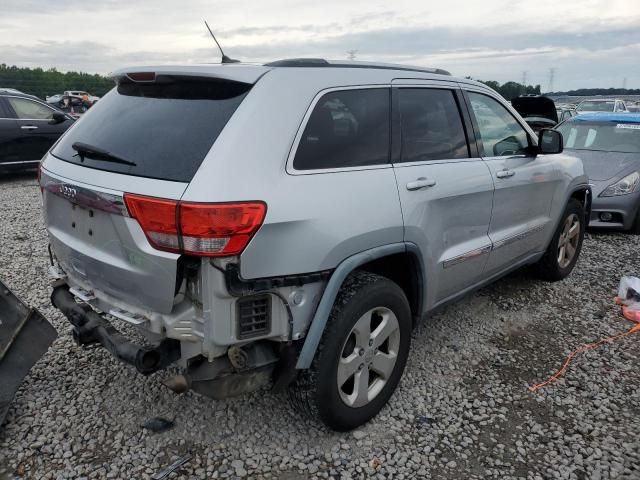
342, 271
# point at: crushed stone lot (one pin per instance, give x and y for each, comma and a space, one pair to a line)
462, 410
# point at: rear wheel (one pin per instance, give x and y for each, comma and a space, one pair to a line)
564, 249
361, 356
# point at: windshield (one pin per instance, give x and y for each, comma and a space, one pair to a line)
606, 106
165, 128
601, 136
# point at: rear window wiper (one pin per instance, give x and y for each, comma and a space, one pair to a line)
89, 151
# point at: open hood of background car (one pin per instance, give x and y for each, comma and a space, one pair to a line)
535, 106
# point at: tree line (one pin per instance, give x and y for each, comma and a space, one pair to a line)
511, 90
43, 83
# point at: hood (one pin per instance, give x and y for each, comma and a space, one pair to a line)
602, 166
536, 106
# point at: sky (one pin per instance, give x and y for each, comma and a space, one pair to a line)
585, 43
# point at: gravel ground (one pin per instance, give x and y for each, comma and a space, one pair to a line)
462, 410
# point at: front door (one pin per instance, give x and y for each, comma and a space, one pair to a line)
524, 184
38, 133
445, 188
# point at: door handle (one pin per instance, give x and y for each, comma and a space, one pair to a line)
29, 127
505, 173
421, 182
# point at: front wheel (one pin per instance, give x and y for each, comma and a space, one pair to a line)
361, 356
564, 249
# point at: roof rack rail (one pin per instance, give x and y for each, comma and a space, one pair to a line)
321, 62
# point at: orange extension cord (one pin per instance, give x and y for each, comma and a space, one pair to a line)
630, 315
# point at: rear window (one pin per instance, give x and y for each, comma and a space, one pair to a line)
347, 128
166, 128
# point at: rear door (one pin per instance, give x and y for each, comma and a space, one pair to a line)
524, 183
9, 135
445, 188
37, 132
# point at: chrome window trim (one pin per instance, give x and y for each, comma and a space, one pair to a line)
296, 142
478, 252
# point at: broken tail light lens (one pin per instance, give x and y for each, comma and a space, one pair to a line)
202, 229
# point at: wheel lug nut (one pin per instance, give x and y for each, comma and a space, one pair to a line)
371, 342
361, 366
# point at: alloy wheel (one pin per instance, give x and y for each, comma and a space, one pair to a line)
368, 357
568, 241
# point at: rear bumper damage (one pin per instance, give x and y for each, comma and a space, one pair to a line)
89, 328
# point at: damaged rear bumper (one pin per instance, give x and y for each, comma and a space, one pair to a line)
90, 328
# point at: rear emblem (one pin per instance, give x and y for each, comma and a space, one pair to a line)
68, 191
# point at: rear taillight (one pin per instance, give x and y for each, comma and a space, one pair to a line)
204, 229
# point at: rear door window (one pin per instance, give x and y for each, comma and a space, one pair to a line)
166, 128
347, 128
432, 128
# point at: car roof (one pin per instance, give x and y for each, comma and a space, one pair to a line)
608, 117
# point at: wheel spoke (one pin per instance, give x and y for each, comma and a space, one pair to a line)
362, 330
571, 250
574, 230
384, 330
360, 393
383, 364
348, 367
561, 254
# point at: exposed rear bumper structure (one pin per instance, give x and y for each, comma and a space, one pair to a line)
89, 328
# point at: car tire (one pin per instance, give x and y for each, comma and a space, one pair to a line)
350, 353
565, 246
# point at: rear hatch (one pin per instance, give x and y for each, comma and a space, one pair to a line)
148, 136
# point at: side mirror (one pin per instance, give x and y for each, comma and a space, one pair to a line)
550, 141
58, 117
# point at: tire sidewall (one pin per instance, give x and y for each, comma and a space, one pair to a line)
333, 411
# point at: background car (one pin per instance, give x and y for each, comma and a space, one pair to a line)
538, 111
601, 105
609, 146
28, 128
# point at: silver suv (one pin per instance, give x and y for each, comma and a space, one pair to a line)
287, 224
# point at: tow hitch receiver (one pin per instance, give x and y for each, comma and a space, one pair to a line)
89, 327
25, 335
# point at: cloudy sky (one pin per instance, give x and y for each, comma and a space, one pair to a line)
589, 43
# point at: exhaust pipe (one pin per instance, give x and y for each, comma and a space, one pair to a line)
89, 327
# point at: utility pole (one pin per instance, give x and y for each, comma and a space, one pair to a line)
552, 74
351, 54
624, 83
524, 82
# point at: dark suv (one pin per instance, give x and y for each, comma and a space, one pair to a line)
28, 128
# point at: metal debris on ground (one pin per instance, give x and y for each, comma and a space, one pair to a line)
171, 468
